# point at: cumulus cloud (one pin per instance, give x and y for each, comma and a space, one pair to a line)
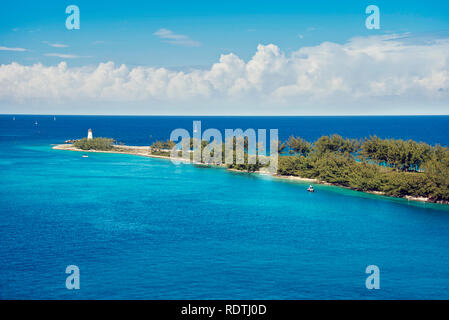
381, 71
169, 36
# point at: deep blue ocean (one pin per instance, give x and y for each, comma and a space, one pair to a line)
142, 228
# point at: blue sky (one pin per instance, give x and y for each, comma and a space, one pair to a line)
129, 32
123, 31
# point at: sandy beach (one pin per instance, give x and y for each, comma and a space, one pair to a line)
132, 150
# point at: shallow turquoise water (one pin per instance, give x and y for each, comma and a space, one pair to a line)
141, 228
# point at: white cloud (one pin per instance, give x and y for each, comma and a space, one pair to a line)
11, 49
62, 55
169, 36
376, 75
56, 45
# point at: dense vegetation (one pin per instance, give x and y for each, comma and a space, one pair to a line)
101, 144
395, 167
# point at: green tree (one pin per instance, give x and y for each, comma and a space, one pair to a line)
299, 146
103, 144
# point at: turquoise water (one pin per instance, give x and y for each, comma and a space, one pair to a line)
142, 228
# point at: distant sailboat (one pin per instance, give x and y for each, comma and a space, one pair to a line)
54, 118
14, 118
36, 123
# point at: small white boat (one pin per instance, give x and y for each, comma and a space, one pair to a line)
85, 156
310, 189
36, 123
14, 118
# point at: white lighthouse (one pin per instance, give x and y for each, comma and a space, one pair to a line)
89, 134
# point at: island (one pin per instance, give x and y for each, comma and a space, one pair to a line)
390, 167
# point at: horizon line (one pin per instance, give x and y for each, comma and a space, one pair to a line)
223, 115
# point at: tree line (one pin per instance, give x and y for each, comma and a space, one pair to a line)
394, 167
102, 144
